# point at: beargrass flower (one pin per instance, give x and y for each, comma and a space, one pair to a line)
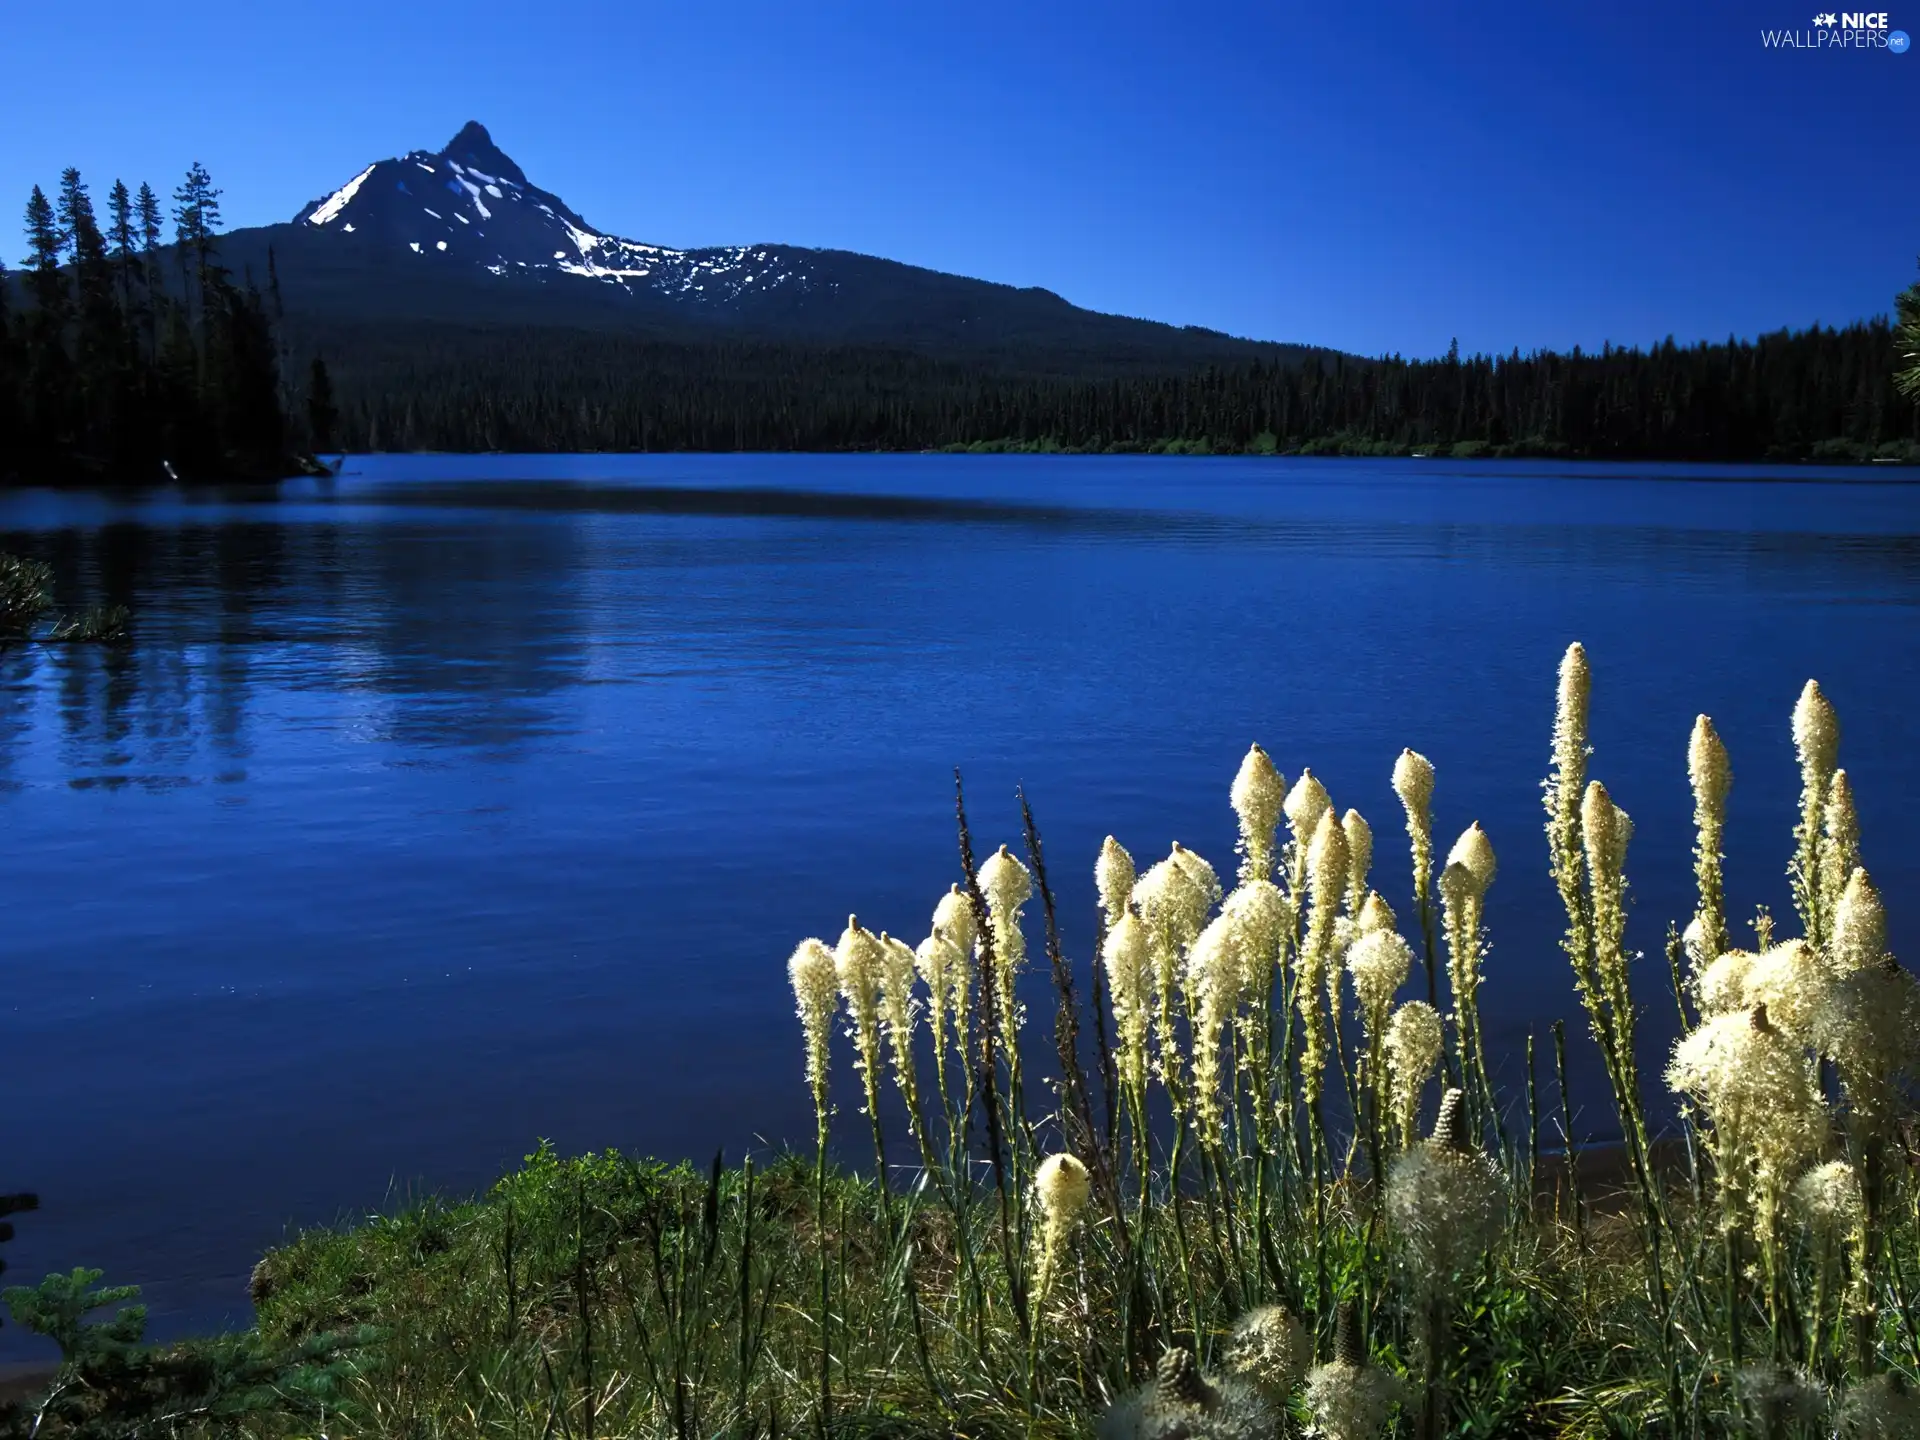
1007, 885
1828, 1199
1710, 774
1445, 1199
1816, 740
1722, 986
1767, 1120
1306, 804
1859, 926
1839, 841
1060, 1193
1128, 955
1359, 857
1379, 962
1376, 914
1113, 876
1414, 1042
1572, 697
954, 917
1259, 791
900, 1010
859, 965
1791, 982
1216, 980
816, 991
942, 966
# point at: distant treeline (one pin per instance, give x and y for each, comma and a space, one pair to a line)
1811, 394
120, 357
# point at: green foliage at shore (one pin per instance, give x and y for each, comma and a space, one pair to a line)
26, 600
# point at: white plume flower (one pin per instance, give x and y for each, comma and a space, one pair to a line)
1359, 857
1259, 791
1305, 804
1113, 876
816, 992
1379, 962
1376, 914
1129, 960
1414, 1042
1061, 1191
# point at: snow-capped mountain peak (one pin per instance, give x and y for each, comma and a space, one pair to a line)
470, 205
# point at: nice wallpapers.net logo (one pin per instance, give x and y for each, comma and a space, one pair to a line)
1847, 30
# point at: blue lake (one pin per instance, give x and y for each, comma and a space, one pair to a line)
464, 801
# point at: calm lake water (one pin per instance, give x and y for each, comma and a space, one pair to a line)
464, 801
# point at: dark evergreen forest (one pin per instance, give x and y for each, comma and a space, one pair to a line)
125, 358
1813, 394
121, 357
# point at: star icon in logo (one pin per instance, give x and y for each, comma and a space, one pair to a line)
1827, 19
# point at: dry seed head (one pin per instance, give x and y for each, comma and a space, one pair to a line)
1450, 1125
1474, 851
1445, 1199
1305, 804
1113, 875
1816, 732
1376, 914
1413, 783
1352, 1401
1270, 1348
1859, 925
1177, 1378
1708, 769
953, 916
1379, 963
1887, 1407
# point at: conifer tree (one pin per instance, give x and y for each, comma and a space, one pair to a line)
1907, 342
323, 415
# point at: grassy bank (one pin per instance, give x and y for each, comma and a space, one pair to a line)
1264, 1188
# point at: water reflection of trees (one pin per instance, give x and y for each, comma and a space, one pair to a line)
458, 632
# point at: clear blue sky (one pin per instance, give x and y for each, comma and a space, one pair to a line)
1378, 177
